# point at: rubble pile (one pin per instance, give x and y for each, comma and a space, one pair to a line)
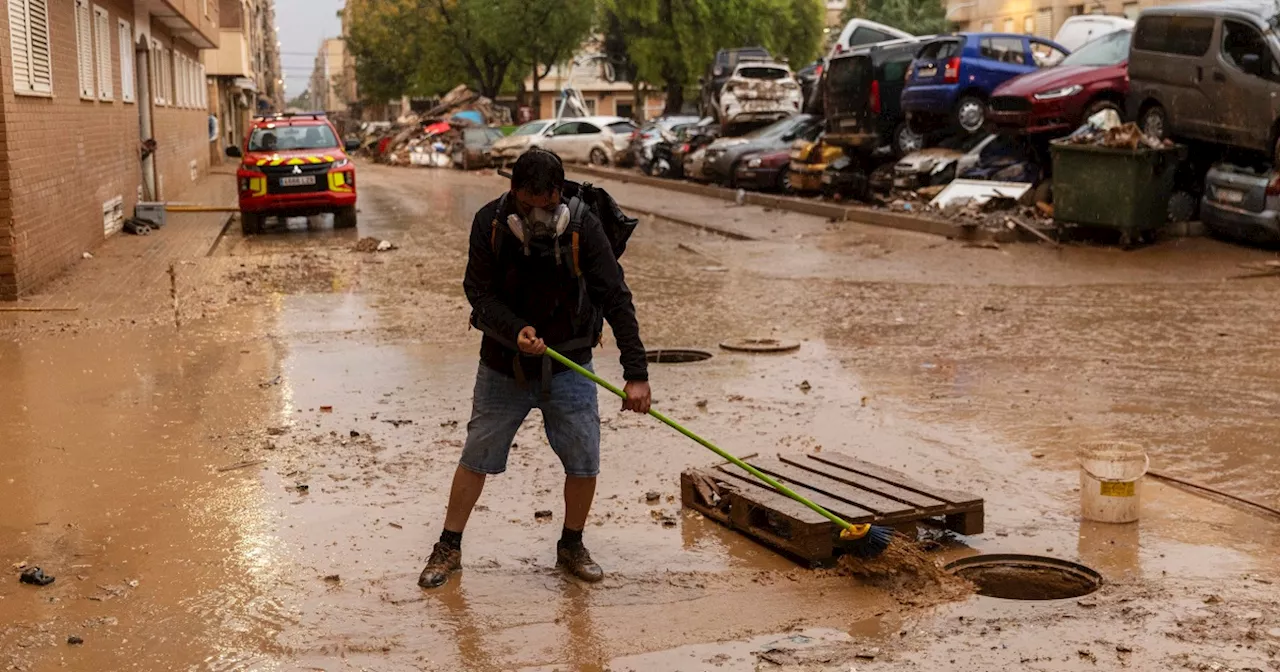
429, 138
1105, 130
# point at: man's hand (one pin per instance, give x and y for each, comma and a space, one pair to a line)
638, 397
529, 342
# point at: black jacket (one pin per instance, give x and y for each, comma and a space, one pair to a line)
509, 291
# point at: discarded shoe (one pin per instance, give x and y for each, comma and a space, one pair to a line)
35, 576
577, 560
444, 560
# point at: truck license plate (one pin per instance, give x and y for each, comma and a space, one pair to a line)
1229, 195
298, 181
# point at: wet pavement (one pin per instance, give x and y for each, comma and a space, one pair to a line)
255, 484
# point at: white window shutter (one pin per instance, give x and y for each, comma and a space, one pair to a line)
157, 72
41, 53
102, 33
84, 49
20, 44
29, 46
127, 72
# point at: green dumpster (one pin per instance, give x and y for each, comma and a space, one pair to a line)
1127, 190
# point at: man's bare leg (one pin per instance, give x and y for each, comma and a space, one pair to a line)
578, 495
570, 553
446, 557
467, 486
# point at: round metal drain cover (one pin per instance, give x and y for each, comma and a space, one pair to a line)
676, 356
760, 345
1026, 577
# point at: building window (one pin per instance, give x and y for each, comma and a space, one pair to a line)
988, 26
102, 39
1076, 10
1044, 24
29, 47
180, 79
125, 33
1029, 25
1008, 25
1132, 10
626, 109
157, 72
84, 49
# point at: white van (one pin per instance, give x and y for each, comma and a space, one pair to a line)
861, 32
1078, 30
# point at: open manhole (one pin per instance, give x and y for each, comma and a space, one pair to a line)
676, 356
760, 345
1026, 577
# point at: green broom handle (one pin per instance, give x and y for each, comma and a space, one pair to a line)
714, 448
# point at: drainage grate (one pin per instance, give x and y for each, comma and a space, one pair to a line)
676, 356
1026, 577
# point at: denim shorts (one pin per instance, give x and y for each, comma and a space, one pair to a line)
571, 418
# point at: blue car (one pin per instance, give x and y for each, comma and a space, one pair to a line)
952, 76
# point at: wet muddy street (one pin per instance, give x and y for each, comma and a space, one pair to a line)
252, 480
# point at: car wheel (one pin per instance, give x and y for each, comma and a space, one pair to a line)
906, 140
466, 161
784, 182
345, 218
250, 223
1155, 122
1100, 105
598, 157
971, 114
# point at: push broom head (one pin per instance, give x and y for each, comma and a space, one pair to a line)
867, 541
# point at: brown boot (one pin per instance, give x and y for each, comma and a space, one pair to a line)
444, 560
578, 561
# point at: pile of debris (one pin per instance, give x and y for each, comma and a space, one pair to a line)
429, 138
1104, 129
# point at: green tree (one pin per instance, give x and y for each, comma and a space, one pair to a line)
426, 47
673, 41
553, 30
918, 17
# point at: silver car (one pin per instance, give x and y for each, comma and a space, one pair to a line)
1242, 204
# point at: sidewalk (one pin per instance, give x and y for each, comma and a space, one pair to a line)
129, 275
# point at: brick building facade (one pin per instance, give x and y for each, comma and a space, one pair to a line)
72, 107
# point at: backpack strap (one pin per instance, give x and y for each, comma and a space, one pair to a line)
578, 210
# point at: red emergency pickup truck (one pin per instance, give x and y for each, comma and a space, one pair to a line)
293, 165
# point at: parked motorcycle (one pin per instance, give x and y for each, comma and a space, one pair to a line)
655, 157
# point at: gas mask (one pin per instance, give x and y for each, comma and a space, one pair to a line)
544, 224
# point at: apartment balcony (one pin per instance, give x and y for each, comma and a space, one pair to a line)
195, 21
232, 58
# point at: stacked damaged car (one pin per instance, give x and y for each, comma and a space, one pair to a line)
1114, 127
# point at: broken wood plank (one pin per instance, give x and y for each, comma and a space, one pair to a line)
925, 503
1036, 232
38, 309
241, 465
953, 497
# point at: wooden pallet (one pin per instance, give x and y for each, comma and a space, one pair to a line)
858, 491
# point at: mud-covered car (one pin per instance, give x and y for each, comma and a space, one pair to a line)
766, 171
293, 165
759, 92
473, 151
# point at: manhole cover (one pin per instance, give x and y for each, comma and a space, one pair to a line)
1026, 577
676, 356
760, 345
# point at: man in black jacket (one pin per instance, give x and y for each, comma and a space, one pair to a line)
540, 274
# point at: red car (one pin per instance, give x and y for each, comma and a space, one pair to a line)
294, 166
1058, 99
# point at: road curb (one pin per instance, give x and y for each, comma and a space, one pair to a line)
832, 211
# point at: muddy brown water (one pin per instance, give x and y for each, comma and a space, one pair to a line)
114, 438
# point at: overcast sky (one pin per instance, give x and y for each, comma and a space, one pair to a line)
304, 24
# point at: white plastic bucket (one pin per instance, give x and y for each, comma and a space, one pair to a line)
1111, 481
